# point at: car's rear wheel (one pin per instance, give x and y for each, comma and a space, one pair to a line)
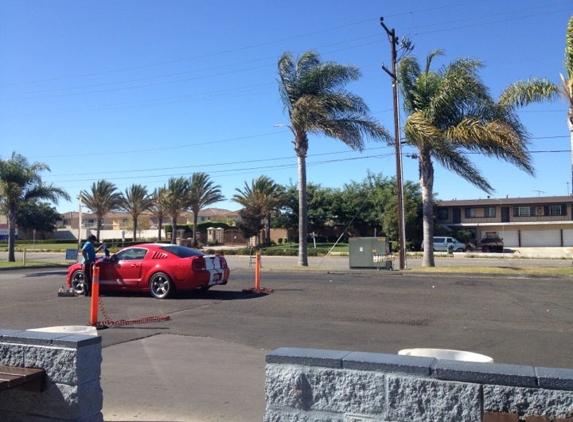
78, 279
161, 286
460, 250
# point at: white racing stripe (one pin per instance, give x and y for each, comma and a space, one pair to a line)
213, 265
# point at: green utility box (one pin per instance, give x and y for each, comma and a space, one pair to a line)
370, 252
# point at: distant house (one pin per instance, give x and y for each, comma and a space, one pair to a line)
521, 222
115, 224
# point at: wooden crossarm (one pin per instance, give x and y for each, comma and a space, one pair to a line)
28, 379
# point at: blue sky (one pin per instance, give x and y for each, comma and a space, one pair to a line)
137, 91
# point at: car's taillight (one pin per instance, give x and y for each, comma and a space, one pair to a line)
198, 264
222, 262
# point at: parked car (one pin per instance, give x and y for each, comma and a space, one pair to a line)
442, 243
160, 269
491, 243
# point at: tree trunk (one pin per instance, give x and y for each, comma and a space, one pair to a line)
11, 236
427, 186
159, 229
134, 228
173, 231
195, 218
302, 212
268, 230
98, 225
570, 126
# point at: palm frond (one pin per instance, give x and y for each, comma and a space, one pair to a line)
569, 49
524, 92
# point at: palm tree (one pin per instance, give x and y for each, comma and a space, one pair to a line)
20, 182
203, 192
313, 94
159, 208
102, 199
566, 89
263, 194
135, 201
176, 201
450, 112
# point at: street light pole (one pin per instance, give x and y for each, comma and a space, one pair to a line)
399, 188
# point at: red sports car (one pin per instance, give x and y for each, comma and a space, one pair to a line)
157, 268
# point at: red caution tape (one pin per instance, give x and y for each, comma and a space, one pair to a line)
108, 322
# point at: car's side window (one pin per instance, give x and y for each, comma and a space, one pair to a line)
131, 254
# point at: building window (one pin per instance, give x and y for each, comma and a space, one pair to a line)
470, 212
89, 223
489, 212
555, 210
523, 211
442, 213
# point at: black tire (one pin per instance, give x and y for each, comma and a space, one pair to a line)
161, 286
460, 250
204, 288
78, 279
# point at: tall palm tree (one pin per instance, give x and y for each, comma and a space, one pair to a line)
20, 182
159, 208
450, 112
176, 201
135, 200
203, 192
102, 199
313, 94
566, 89
263, 194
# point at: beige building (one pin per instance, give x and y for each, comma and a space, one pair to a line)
119, 222
521, 222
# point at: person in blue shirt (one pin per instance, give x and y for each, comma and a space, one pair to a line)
88, 259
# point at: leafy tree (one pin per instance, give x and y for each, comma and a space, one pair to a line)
203, 192
135, 201
319, 212
176, 197
39, 216
263, 194
449, 113
159, 208
250, 224
313, 94
21, 182
102, 199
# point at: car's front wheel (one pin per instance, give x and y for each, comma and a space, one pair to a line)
161, 286
78, 279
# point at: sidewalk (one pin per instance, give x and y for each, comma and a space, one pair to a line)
183, 379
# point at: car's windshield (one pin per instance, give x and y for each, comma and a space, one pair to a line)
181, 251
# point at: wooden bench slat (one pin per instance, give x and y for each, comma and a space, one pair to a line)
29, 379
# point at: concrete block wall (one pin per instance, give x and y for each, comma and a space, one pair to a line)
73, 366
339, 386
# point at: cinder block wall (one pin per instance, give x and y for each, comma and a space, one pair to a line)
73, 366
338, 386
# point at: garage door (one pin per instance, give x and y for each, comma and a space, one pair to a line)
510, 238
568, 238
532, 238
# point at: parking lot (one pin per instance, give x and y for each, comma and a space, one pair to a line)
514, 319
208, 360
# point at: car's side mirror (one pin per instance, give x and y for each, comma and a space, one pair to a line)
113, 258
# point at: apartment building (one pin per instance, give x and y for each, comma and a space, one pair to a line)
521, 222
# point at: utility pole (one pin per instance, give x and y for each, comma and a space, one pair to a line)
399, 187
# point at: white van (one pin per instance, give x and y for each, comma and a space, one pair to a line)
441, 244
